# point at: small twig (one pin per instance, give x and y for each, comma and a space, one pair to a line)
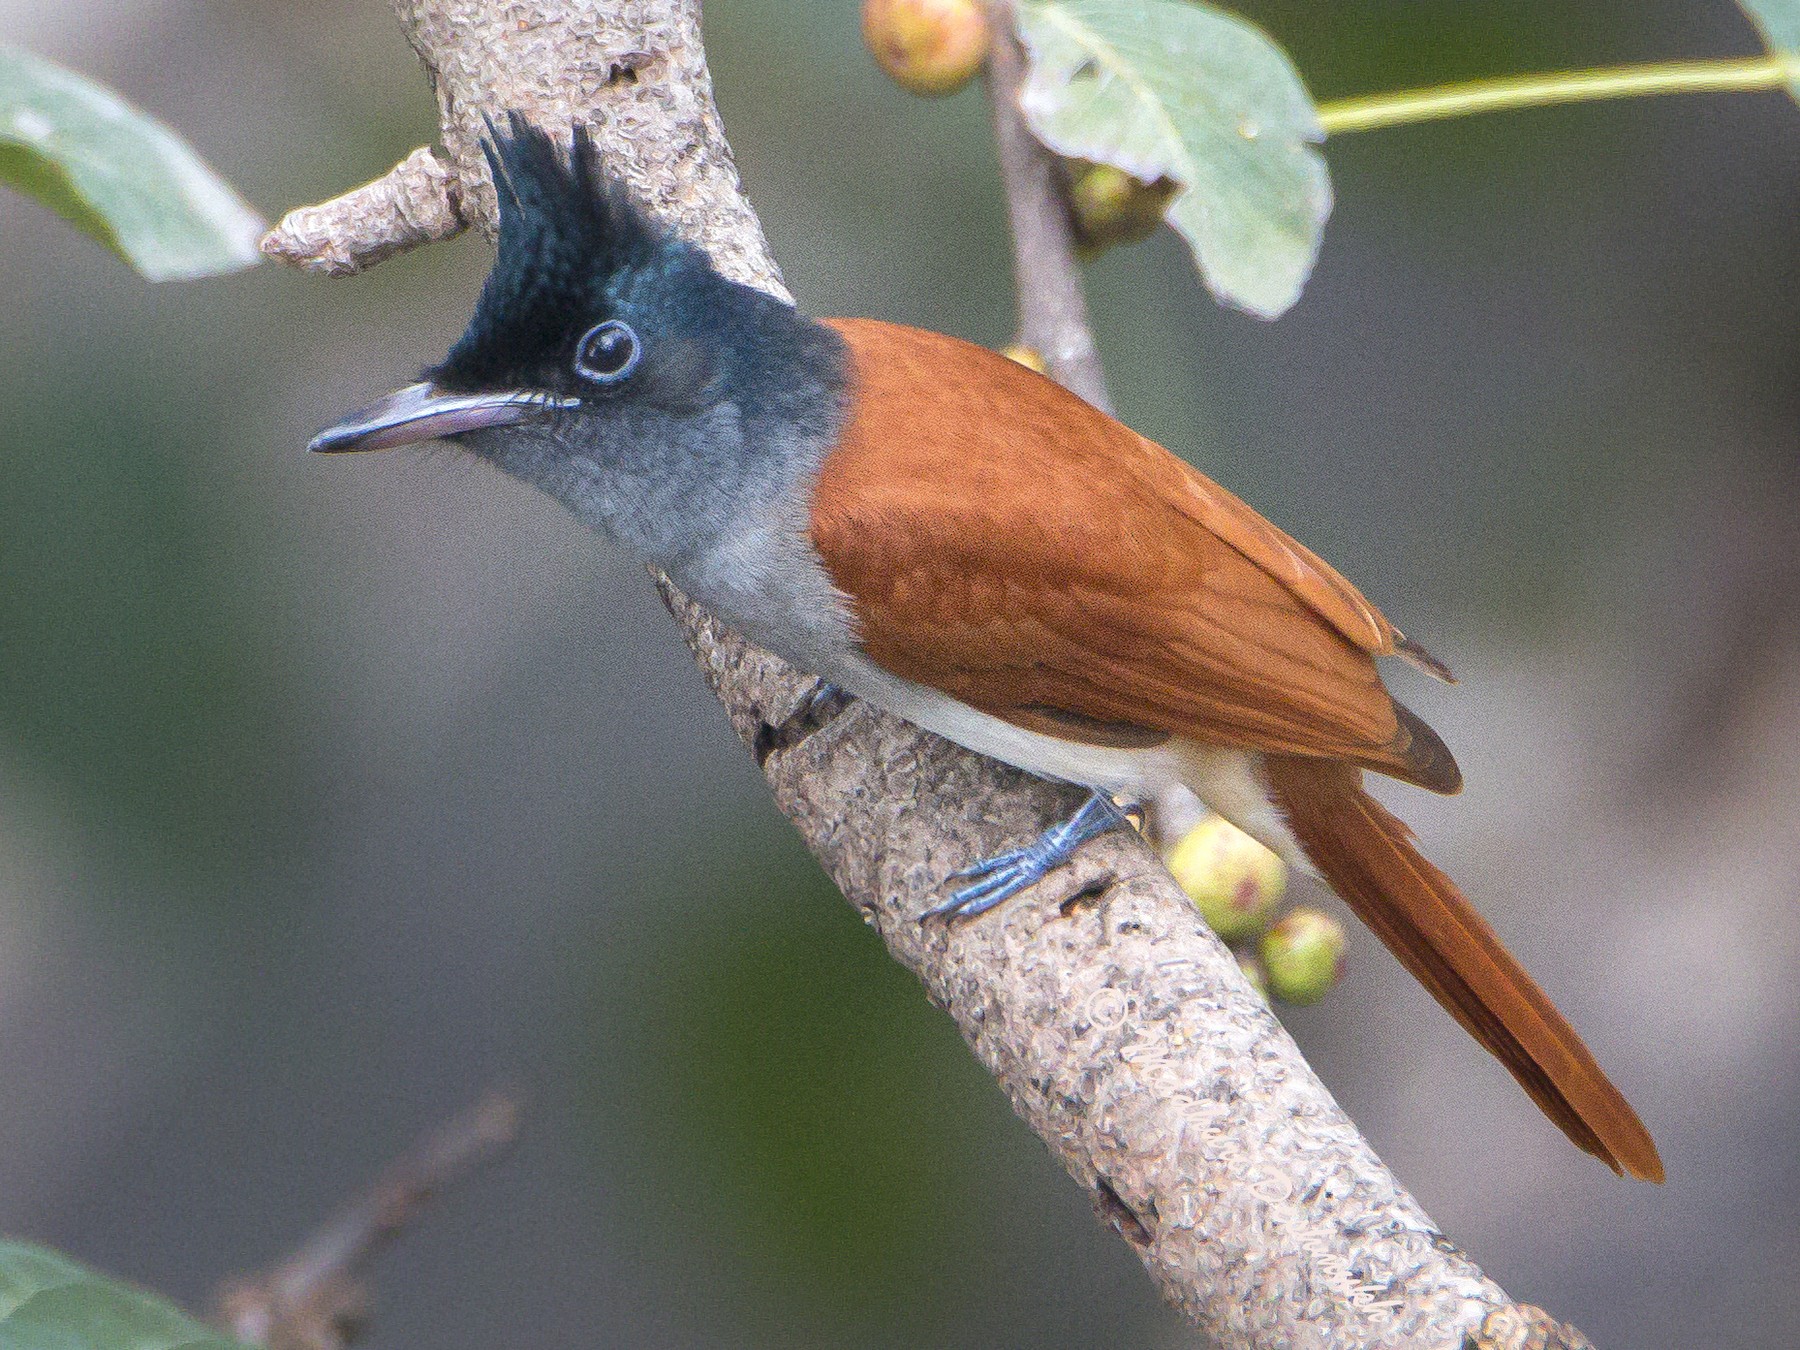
413, 203
1374, 112
1053, 317
316, 1299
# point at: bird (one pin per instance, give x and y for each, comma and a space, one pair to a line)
930, 526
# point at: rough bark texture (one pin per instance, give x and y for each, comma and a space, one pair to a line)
413, 203
1121, 1029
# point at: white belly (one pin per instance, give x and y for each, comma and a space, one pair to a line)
769, 585
1226, 780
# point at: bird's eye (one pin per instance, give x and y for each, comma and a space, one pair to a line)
607, 352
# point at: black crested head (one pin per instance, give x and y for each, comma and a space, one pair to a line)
590, 301
610, 364
569, 234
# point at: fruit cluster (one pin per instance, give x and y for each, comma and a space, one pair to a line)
1237, 886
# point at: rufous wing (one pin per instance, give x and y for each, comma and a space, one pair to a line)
1003, 541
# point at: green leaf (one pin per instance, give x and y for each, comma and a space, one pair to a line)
118, 174
1165, 89
48, 1302
1779, 23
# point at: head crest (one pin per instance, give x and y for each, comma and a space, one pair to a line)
554, 207
567, 230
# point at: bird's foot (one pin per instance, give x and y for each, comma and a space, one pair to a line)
825, 700
1004, 875
822, 703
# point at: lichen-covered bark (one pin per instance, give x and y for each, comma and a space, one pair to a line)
1120, 1028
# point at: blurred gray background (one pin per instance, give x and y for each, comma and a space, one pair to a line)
333, 792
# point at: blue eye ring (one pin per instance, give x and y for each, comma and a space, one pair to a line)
608, 353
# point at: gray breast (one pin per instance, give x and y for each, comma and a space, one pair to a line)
762, 577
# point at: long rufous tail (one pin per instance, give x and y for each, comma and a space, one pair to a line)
1370, 860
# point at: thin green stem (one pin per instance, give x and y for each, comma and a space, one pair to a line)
1542, 91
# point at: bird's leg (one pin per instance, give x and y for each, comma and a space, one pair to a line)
820, 702
1006, 874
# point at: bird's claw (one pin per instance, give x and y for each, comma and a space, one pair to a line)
999, 878
989, 865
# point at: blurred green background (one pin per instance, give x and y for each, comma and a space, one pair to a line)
333, 792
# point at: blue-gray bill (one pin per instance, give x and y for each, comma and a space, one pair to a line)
424, 412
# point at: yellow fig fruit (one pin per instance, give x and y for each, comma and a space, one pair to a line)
1110, 207
1233, 881
927, 46
1304, 955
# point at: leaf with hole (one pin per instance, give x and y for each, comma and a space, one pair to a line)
118, 174
1169, 90
1779, 23
48, 1302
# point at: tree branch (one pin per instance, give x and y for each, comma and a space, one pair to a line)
1053, 317
316, 1299
1120, 1028
412, 203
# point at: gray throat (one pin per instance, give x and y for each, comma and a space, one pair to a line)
720, 502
